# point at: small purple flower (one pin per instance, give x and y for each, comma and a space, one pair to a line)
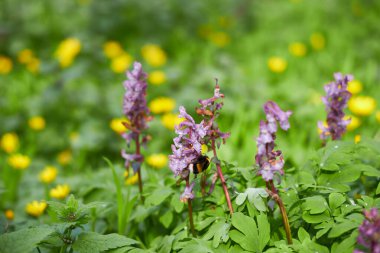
268, 160
335, 101
369, 232
188, 193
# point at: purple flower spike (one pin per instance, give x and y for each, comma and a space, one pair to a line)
369, 232
268, 160
335, 101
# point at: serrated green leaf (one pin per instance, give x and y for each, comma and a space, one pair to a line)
315, 204
158, 196
90, 242
336, 200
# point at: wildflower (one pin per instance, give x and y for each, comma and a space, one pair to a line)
188, 193
369, 232
112, 49
48, 175
9, 142
19, 161
121, 62
335, 101
362, 105
277, 64
355, 87
25, 56
220, 39
5, 65
129, 180
157, 77
357, 138
117, 125
35, 208
378, 116
37, 123
153, 55
269, 160
157, 160
297, 49
67, 50
64, 157
204, 149
317, 41
9, 214
355, 122
162, 105
60, 191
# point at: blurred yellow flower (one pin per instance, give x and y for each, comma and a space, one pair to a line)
204, 149
220, 39
35, 208
34, 65
157, 77
5, 65
121, 63
48, 174
157, 160
112, 49
170, 120
9, 142
74, 136
25, 56
153, 55
362, 105
37, 123
9, 214
67, 50
317, 41
131, 180
297, 49
19, 161
354, 123
277, 64
161, 105
60, 191
378, 116
117, 125
357, 138
355, 87
64, 157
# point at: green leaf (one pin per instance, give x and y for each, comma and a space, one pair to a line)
167, 219
316, 204
90, 242
24, 240
378, 189
176, 203
221, 235
347, 245
241, 197
336, 200
302, 234
264, 230
158, 196
166, 244
339, 229
369, 170
316, 218
255, 197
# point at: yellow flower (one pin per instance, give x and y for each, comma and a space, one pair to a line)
18, 161
157, 160
317, 41
37, 123
117, 125
5, 65
277, 64
64, 157
355, 87
48, 174
9, 214
362, 105
220, 39
357, 138
153, 55
60, 191
157, 77
35, 208
121, 63
112, 49
354, 123
25, 56
34, 65
162, 105
297, 49
131, 180
378, 116
170, 120
67, 50
204, 149
9, 142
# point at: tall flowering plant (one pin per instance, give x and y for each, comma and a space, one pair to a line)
136, 111
335, 101
369, 232
270, 161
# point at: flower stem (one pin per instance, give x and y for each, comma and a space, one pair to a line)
220, 174
137, 140
190, 207
280, 204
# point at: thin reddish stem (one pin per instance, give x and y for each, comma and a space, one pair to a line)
137, 140
190, 208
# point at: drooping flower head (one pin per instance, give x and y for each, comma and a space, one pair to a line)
369, 232
335, 101
269, 160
